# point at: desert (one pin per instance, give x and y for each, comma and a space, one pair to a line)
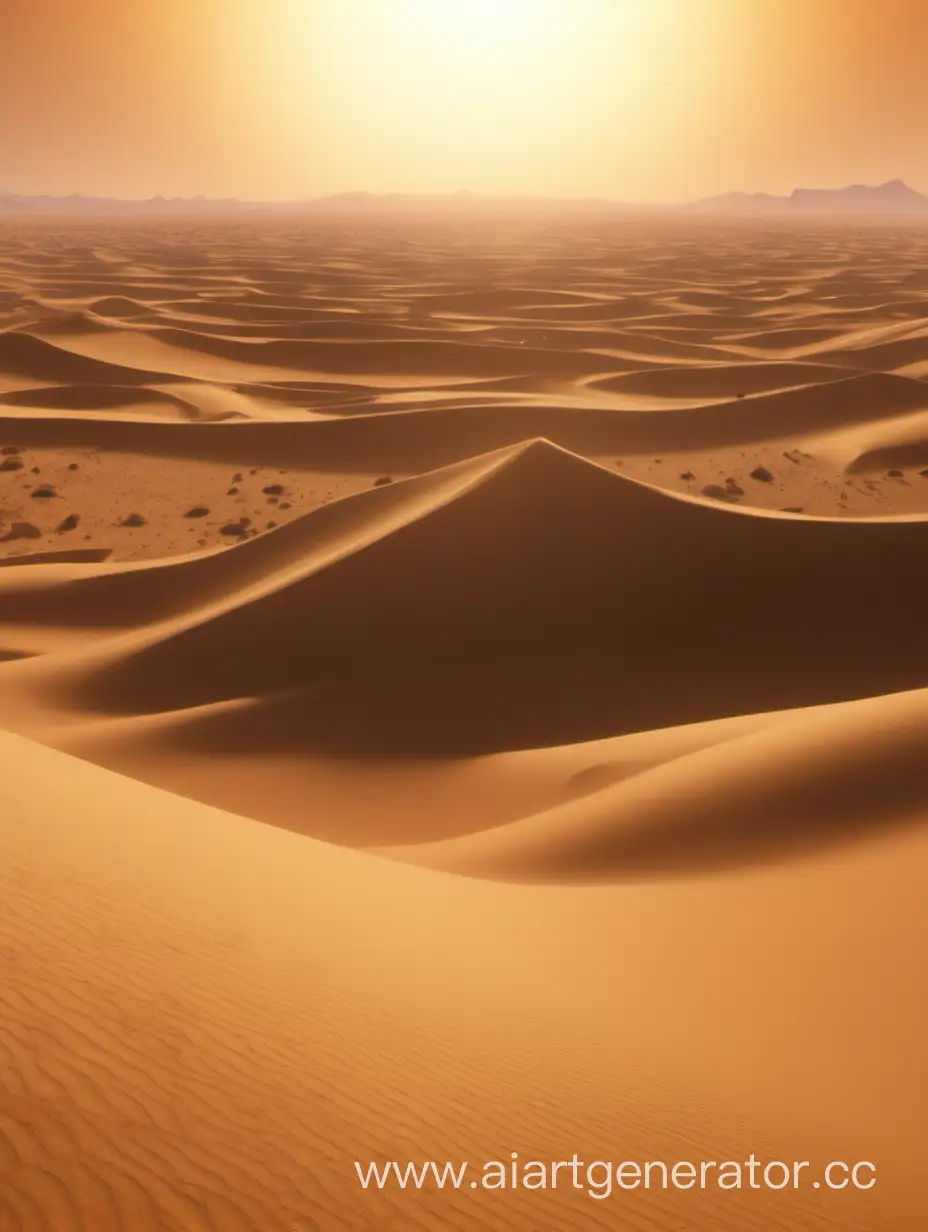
464, 694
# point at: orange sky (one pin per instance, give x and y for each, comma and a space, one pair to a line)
632, 99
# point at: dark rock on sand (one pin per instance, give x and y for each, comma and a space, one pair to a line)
716, 492
762, 475
21, 530
237, 529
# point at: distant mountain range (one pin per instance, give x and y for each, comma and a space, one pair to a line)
892, 199
16, 203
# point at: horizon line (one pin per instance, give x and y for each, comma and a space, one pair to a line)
200, 198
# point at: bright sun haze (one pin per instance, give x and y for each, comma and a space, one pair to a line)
641, 100
483, 94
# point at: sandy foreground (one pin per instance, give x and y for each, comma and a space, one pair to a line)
464, 694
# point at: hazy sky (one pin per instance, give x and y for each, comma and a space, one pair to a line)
633, 99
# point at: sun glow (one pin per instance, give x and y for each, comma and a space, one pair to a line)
476, 41
432, 95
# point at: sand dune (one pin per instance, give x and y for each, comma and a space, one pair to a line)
23, 354
398, 357
503, 564
726, 613
119, 399
211, 1020
427, 436
722, 380
813, 781
448, 656
64, 556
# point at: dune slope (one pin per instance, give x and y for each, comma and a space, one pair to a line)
206, 1021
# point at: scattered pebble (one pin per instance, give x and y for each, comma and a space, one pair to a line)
11, 464
45, 492
385, 479
198, 511
238, 529
134, 519
273, 489
22, 530
762, 475
719, 493
10, 451
71, 522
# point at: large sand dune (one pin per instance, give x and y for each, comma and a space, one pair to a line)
466, 694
